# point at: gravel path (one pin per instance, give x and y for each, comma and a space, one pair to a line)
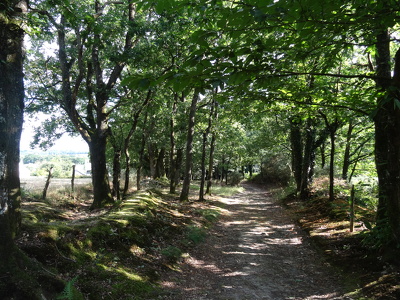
255, 251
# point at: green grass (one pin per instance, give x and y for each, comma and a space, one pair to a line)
210, 214
115, 254
226, 191
195, 234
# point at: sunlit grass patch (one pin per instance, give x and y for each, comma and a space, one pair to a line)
117, 252
210, 214
226, 191
196, 234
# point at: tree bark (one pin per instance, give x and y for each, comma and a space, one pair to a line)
101, 187
308, 160
116, 189
172, 155
184, 196
203, 166
332, 166
212, 147
18, 273
297, 151
346, 156
332, 127
141, 158
160, 167
387, 137
11, 119
152, 154
203, 154
323, 155
211, 163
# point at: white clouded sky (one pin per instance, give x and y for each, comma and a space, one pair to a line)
65, 143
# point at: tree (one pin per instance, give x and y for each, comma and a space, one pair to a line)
268, 36
184, 196
358, 136
88, 66
11, 109
18, 274
124, 125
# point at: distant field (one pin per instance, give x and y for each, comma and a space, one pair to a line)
37, 183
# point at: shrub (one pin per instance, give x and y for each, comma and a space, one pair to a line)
274, 170
235, 178
172, 253
196, 234
211, 215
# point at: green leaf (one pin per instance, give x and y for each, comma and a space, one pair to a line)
368, 225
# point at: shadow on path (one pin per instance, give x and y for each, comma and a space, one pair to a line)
254, 252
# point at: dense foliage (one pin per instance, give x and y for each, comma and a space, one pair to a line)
210, 90
282, 87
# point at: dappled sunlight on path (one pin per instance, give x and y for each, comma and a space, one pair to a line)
254, 252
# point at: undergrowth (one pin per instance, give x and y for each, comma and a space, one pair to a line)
115, 253
369, 264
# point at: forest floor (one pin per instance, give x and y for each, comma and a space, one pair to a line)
255, 251
262, 248
247, 246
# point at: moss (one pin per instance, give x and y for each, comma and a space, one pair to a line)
196, 234
172, 253
210, 214
118, 253
26, 279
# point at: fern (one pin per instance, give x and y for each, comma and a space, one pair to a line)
70, 292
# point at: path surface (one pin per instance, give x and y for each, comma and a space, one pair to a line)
255, 251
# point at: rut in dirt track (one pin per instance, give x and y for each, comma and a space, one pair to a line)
255, 251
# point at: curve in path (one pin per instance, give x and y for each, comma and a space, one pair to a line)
255, 251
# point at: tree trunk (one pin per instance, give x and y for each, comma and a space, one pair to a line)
172, 154
323, 155
127, 171
18, 273
184, 196
211, 164
101, 185
178, 165
203, 179
308, 160
11, 118
93, 127
346, 156
141, 158
387, 137
250, 168
297, 151
332, 127
152, 153
203, 166
160, 167
214, 115
332, 166
117, 173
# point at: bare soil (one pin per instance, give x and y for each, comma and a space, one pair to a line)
254, 251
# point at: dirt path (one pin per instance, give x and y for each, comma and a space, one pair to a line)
255, 251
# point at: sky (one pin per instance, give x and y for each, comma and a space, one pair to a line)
65, 143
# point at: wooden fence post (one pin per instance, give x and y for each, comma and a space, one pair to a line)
73, 179
46, 186
352, 200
